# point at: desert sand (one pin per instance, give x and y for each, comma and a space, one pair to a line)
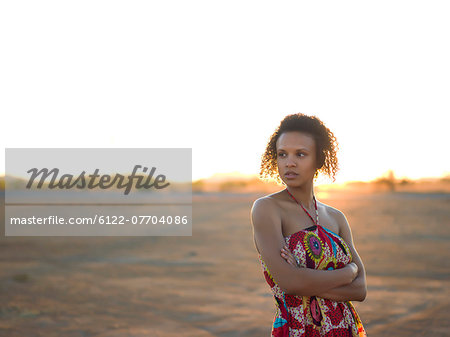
211, 284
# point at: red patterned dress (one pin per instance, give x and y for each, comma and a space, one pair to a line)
315, 247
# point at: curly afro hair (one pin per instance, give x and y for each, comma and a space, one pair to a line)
326, 146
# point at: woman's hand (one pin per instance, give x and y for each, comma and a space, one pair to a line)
288, 256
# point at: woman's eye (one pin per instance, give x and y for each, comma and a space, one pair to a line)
283, 154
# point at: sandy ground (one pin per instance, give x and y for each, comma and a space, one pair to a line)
211, 284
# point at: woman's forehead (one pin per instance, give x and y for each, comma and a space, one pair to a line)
295, 140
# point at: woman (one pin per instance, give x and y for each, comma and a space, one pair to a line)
306, 247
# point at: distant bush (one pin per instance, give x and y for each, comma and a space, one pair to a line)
405, 182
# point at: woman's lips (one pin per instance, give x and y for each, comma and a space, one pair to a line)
291, 175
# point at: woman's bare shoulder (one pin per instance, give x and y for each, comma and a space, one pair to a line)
273, 198
331, 211
269, 205
336, 217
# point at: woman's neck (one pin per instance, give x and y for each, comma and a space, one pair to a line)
303, 194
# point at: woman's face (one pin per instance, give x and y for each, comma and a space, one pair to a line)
296, 157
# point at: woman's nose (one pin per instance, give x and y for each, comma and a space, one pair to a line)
290, 162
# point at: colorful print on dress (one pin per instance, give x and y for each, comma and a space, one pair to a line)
317, 248
313, 246
357, 320
281, 324
315, 311
332, 263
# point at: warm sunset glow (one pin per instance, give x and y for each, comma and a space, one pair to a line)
223, 88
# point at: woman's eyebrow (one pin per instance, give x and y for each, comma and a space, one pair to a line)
302, 148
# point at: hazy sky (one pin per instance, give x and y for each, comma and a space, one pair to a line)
220, 76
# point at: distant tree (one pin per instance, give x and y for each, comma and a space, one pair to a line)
405, 182
388, 181
198, 186
233, 185
391, 180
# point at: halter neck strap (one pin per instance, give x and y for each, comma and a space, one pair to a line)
315, 205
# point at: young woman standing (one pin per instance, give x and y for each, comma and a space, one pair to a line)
306, 247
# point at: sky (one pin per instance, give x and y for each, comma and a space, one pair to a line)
218, 77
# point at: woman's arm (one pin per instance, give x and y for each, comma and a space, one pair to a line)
339, 294
357, 289
351, 292
269, 239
